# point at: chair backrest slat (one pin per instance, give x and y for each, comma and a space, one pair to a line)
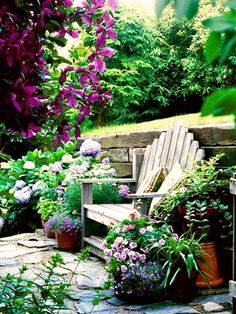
192, 152
146, 157
151, 160
166, 147
184, 155
179, 145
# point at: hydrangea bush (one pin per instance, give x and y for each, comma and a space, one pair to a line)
41, 178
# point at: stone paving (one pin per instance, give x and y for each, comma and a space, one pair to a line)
30, 249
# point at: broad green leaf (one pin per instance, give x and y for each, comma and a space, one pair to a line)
221, 102
220, 23
186, 8
231, 4
213, 46
227, 48
96, 301
160, 6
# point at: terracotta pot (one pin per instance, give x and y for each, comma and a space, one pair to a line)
66, 241
51, 234
209, 267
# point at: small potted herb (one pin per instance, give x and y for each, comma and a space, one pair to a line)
47, 208
67, 229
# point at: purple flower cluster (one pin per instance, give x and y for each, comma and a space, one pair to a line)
123, 190
60, 222
24, 25
90, 148
142, 279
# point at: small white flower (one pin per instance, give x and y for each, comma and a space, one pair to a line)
44, 168
5, 165
150, 228
67, 159
29, 165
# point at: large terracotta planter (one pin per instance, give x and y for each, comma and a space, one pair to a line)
66, 241
209, 267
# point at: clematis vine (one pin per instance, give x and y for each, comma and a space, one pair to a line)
30, 31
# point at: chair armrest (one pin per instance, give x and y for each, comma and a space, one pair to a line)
146, 195
107, 180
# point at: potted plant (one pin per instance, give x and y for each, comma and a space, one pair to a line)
200, 206
67, 229
179, 259
135, 271
47, 208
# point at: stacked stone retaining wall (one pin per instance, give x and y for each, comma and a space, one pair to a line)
214, 139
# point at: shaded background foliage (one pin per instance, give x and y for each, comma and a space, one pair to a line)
159, 68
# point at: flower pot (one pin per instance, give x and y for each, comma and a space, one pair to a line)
209, 267
66, 241
183, 289
51, 234
144, 297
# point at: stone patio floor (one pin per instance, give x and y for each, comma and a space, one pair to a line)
31, 249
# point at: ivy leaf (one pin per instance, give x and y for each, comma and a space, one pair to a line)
213, 46
221, 102
160, 6
186, 8
221, 23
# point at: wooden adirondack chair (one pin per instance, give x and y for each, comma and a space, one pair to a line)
174, 145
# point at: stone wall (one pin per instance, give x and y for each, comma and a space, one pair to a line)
213, 138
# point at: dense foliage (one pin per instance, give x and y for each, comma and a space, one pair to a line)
159, 68
220, 46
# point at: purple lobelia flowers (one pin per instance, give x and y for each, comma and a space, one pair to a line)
141, 280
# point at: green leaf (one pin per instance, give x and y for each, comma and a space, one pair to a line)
160, 6
231, 4
221, 102
227, 49
213, 46
220, 23
96, 301
186, 8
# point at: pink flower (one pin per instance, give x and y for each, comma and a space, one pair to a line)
123, 269
133, 255
142, 257
123, 256
175, 236
133, 245
142, 230
117, 255
162, 242
128, 227
107, 259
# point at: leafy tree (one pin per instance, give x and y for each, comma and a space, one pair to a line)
220, 46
